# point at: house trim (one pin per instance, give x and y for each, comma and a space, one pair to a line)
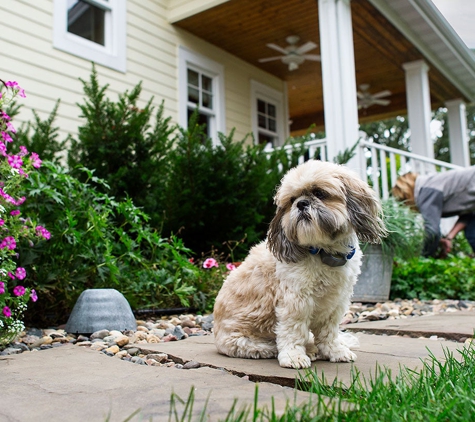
188, 58
113, 53
427, 23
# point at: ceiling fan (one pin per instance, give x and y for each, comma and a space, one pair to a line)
366, 99
293, 56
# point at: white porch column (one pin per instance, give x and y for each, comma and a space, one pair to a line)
419, 107
339, 80
458, 133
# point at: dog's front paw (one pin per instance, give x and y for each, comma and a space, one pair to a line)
338, 353
294, 358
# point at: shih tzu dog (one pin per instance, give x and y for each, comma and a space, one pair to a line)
287, 298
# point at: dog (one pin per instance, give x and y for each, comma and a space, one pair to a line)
287, 298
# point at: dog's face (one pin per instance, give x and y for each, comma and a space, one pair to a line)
322, 204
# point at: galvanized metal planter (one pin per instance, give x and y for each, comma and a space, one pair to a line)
374, 282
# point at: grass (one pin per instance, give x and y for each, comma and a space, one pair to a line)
441, 391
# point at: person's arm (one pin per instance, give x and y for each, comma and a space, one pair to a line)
446, 242
430, 202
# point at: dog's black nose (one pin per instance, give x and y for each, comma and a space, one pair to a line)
301, 205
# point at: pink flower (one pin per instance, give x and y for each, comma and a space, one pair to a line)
191, 260
41, 231
33, 295
11, 128
14, 85
20, 273
10, 274
35, 160
15, 161
19, 291
2, 222
210, 263
9, 242
2, 287
7, 312
6, 137
3, 148
4, 115
23, 150
15, 212
230, 267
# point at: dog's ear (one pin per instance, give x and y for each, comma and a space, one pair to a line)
278, 243
365, 210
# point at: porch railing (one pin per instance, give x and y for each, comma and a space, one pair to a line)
383, 164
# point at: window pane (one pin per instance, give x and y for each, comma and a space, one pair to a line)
193, 78
271, 110
203, 120
207, 100
193, 95
261, 106
206, 83
86, 21
271, 124
265, 139
261, 121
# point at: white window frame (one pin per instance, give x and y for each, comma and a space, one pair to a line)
270, 95
188, 59
113, 53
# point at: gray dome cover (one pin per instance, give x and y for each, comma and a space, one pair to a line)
99, 309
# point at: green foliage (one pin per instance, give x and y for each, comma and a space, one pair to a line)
405, 230
98, 242
219, 193
120, 143
44, 137
442, 390
208, 194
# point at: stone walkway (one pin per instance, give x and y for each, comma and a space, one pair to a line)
71, 383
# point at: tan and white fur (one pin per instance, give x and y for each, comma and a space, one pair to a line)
283, 301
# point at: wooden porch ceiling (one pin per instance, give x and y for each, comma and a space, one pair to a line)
244, 27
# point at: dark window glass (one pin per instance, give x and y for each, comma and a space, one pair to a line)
87, 21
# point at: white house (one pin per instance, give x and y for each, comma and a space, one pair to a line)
273, 68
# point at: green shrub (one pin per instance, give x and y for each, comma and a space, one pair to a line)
432, 278
209, 194
98, 242
118, 141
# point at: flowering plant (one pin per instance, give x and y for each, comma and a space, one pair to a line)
14, 169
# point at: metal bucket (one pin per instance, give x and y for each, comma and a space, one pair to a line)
374, 282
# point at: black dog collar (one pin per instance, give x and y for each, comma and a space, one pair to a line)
331, 260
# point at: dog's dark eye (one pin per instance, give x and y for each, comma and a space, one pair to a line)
292, 200
319, 193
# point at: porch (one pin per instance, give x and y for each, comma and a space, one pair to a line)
380, 164
374, 59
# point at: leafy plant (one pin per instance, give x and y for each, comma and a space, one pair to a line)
14, 168
98, 242
405, 230
119, 142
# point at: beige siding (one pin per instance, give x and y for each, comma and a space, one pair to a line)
48, 74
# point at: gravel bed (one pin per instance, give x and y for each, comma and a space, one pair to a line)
120, 345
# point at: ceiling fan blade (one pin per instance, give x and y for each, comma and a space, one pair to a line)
306, 47
360, 95
314, 57
381, 102
384, 93
278, 48
269, 59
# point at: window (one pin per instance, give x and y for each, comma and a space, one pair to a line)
201, 86
268, 115
94, 30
